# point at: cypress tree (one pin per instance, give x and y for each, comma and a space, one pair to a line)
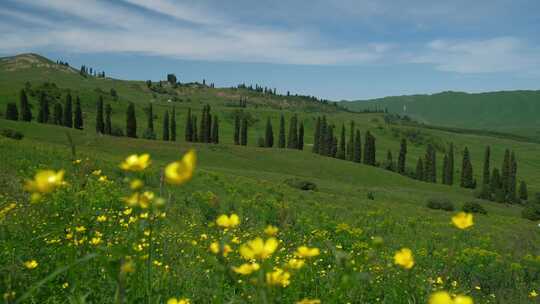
166, 126
357, 148
281, 138
301, 136
523, 195
269, 134
389, 161
292, 142
402, 156
11, 111
208, 127
505, 177
131, 121
244, 132
194, 125
329, 141
215, 130
445, 167
173, 124
350, 145
58, 113
466, 171
150, 119
237, 129
322, 136
341, 149
334, 145
317, 135
419, 169
367, 148
188, 131
203, 126
78, 121
450, 168
512, 179
43, 116
100, 125
430, 170
108, 123
26, 112
68, 112
495, 184
486, 171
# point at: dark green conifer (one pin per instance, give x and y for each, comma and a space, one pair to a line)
215, 130
301, 136
173, 124
466, 171
78, 120
317, 135
108, 120
523, 194
357, 148
281, 138
166, 126
11, 111
100, 125
512, 182
269, 134
322, 136
419, 169
450, 167
505, 172
486, 171
350, 145
237, 129
292, 142
402, 156
68, 112
194, 125
26, 111
188, 131
244, 132
43, 116
131, 121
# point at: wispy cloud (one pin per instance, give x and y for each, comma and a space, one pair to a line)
502, 54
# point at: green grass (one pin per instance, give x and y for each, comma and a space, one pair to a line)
499, 253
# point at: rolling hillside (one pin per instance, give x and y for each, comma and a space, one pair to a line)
358, 216
516, 112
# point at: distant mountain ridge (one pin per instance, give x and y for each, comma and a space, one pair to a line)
516, 112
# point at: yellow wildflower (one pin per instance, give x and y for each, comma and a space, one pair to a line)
443, 297
101, 218
463, 220
306, 252
278, 277
246, 268
404, 258
80, 229
228, 221
95, 241
295, 263
178, 301
96, 172
258, 249
65, 285
127, 267
77, 161
533, 294
271, 230
136, 184
31, 264
136, 162
181, 171
214, 248
45, 181
308, 301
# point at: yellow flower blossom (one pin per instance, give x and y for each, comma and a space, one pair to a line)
136, 184
80, 229
181, 171
101, 218
246, 268
308, 301
77, 161
258, 249
45, 181
95, 241
136, 162
295, 263
404, 258
278, 277
228, 221
178, 301
96, 172
271, 230
306, 252
31, 264
127, 267
103, 179
533, 294
65, 285
215, 249
443, 297
463, 220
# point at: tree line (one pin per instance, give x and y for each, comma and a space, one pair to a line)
62, 114
208, 130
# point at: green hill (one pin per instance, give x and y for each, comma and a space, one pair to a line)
358, 216
516, 112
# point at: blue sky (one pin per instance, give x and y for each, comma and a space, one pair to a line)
340, 49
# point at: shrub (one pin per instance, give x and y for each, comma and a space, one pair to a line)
440, 204
301, 184
117, 131
9, 133
370, 196
531, 212
473, 207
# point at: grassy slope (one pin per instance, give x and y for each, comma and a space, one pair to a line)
514, 112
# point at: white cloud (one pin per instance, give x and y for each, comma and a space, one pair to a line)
502, 54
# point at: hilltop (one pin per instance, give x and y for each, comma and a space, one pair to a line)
515, 112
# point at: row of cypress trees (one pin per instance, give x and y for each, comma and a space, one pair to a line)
294, 140
169, 122
325, 143
240, 129
209, 127
61, 115
501, 185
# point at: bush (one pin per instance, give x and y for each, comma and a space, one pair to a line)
440, 204
370, 196
117, 131
12, 134
531, 212
301, 184
473, 207
149, 134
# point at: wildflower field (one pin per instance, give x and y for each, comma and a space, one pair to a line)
136, 223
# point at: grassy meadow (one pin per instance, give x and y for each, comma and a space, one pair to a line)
83, 243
